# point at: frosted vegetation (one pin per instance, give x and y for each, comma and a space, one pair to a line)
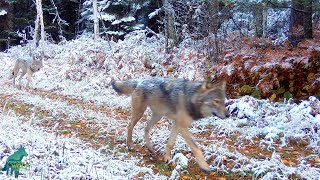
82, 69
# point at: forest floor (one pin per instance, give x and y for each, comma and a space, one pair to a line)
72, 100
94, 135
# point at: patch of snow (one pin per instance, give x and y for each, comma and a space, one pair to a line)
154, 13
125, 19
108, 17
3, 12
55, 157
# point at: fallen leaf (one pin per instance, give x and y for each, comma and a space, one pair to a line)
173, 164
78, 126
221, 178
213, 173
310, 76
288, 163
185, 177
295, 152
317, 160
273, 97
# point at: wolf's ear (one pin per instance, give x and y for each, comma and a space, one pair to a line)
207, 84
223, 84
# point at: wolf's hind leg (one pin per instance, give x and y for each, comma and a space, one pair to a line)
14, 75
20, 78
137, 109
195, 150
154, 119
172, 138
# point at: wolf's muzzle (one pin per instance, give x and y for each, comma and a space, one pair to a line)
222, 116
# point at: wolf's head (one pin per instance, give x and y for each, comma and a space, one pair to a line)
212, 99
36, 65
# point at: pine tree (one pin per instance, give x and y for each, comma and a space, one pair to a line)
118, 17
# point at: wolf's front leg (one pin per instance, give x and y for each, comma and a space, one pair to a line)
172, 138
195, 150
29, 78
137, 109
14, 75
15, 72
14, 80
20, 78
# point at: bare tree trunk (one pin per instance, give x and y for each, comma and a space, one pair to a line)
214, 10
95, 20
170, 28
258, 19
260, 14
264, 19
77, 29
36, 31
300, 21
307, 19
43, 34
214, 27
39, 24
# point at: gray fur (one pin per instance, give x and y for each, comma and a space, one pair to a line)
28, 66
180, 100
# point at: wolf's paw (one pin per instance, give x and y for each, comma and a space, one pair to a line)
206, 170
167, 159
130, 147
151, 150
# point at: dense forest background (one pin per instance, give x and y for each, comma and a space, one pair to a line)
234, 37
66, 19
178, 19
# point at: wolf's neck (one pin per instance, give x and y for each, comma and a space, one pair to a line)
194, 111
191, 102
33, 70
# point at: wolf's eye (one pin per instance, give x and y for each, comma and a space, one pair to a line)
215, 101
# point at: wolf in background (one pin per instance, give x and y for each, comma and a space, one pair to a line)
180, 100
28, 65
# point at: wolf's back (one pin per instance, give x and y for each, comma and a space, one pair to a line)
124, 87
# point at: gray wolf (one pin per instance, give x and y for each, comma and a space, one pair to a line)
28, 65
180, 100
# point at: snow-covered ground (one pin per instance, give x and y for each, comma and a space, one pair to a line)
56, 157
82, 70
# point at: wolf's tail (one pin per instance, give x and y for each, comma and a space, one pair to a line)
124, 87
